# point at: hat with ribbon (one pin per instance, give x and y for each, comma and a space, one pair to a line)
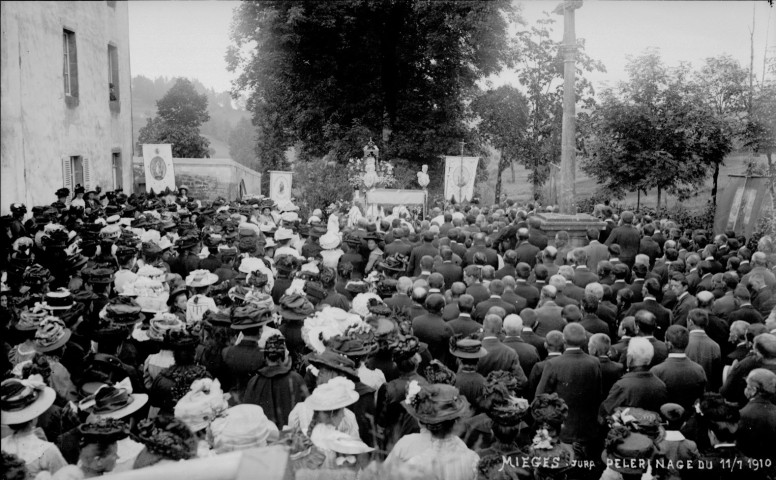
436, 403
36, 275
328, 437
624, 449
30, 319
339, 392
333, 361
186, 243
201, 278
110, 232
283, 234
501, 406
394, 263
437, 372
202, 404
213, 319
60, 299
250, 316
51, 335
98, 275
104, 430
463, 347
348, 346
242, 427
162, 323
330, 240
24, 400
167, 437
114, 401
295, 307
404, 348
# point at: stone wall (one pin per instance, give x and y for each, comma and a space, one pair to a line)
206, 178
41, 126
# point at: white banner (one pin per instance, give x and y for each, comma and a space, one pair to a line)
280, 186
159, 173
459, 177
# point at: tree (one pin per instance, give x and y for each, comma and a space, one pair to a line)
503, 116
179, 115
539, 67
242, 144
328, 75
760, 132
722, 86
653, 132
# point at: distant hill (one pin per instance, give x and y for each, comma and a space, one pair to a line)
224, 112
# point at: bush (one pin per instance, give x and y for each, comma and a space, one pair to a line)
324, 183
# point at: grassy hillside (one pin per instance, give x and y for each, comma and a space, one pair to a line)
520, 189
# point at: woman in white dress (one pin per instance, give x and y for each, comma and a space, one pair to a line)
437, 450
327, 406
23, 401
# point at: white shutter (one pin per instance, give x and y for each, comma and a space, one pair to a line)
67, 177
87, 167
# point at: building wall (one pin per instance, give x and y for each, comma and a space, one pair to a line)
38, 126
207, 178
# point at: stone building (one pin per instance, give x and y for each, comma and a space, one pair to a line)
66, 101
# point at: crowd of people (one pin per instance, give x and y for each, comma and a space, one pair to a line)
147, 329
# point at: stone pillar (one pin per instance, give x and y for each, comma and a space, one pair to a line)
567, 190
575, 225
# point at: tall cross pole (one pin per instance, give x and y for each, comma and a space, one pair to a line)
567, 192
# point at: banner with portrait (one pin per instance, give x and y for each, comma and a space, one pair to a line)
459, 177
280, 186
741, 204
157, 162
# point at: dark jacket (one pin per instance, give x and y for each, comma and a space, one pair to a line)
684, 379
464, 325
548, 318
276, 389
527, 253
482, 308
501, 357
240, 363
629, 240
756, 436
638, 388
576, 377
610, 373
532, 338
434, 331
450, 272
526, 352
662, 315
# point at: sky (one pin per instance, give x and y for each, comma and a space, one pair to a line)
190, 38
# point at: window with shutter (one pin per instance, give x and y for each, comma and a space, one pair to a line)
67, 177
70, 67
87, 173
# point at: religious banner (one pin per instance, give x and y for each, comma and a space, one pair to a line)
741, 204
159, 172
280, 186
459, 177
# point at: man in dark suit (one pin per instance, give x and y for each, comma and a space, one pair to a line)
756, 434
525, 251
685, 301
685, 380
450, 312
499, 357
648, 246
495, 300
560, 284
522, 288
511, 297
571, 290
645, 327
704, 270
727, 303
582, 274
472, 277
450, 271
397, 246
625, 332
536, 236
717, 329
464, 324
554, 345
598, 346
745, 311
595, 250
590, 321
478, 246
527, 353
662, 315
576, 378
510, 261
432, 330
620, 272
763, 299
741, 347
401, 298
627, 237
549, 315
529, 336
638, 388
426, 248
702, 349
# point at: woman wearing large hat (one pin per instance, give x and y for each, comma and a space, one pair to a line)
242, 427
166, 439
199, 303
50, 340
174, 382
327, 405
436, 449
22, 402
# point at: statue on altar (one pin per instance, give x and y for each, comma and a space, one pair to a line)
423, 179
